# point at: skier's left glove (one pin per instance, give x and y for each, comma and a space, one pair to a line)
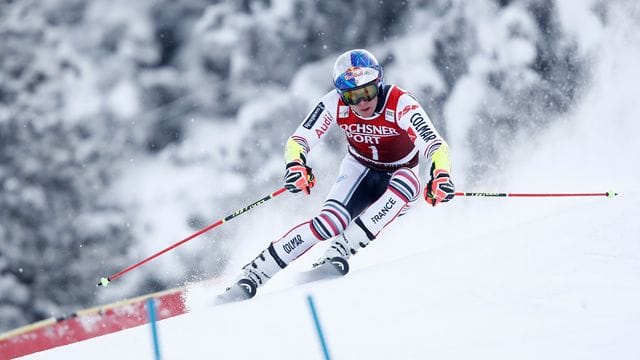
298, 177
440, 188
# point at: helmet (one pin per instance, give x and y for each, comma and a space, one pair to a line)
354, 69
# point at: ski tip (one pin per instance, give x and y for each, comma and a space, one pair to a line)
611, 194
104, 282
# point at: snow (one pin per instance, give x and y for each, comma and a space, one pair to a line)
478, 278
124, 100
556, 281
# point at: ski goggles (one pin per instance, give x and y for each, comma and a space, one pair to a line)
355, 96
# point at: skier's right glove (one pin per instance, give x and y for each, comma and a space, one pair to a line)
298, 177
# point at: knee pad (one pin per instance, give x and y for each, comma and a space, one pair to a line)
332, 220
405, 182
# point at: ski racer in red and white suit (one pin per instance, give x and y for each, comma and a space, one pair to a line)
388, 132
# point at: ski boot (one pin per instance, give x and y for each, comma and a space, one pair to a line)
345, 245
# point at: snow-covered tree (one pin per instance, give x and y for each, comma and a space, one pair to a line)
56, 227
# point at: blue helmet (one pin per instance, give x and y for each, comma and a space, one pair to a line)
356, 68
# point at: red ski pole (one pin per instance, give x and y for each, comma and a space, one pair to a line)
106, 280
609, 194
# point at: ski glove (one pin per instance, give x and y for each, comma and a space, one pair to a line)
440, 188
298, 177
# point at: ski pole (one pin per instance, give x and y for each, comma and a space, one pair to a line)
609, 194
106, 280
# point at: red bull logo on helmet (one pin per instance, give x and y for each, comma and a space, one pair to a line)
352, 73
360, 75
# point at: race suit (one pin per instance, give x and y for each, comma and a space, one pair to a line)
377, 180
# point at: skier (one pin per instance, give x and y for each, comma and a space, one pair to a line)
387, 133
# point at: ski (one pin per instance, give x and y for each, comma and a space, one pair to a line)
244, 289
330, 268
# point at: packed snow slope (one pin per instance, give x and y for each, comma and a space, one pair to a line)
501, 279
479, 278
